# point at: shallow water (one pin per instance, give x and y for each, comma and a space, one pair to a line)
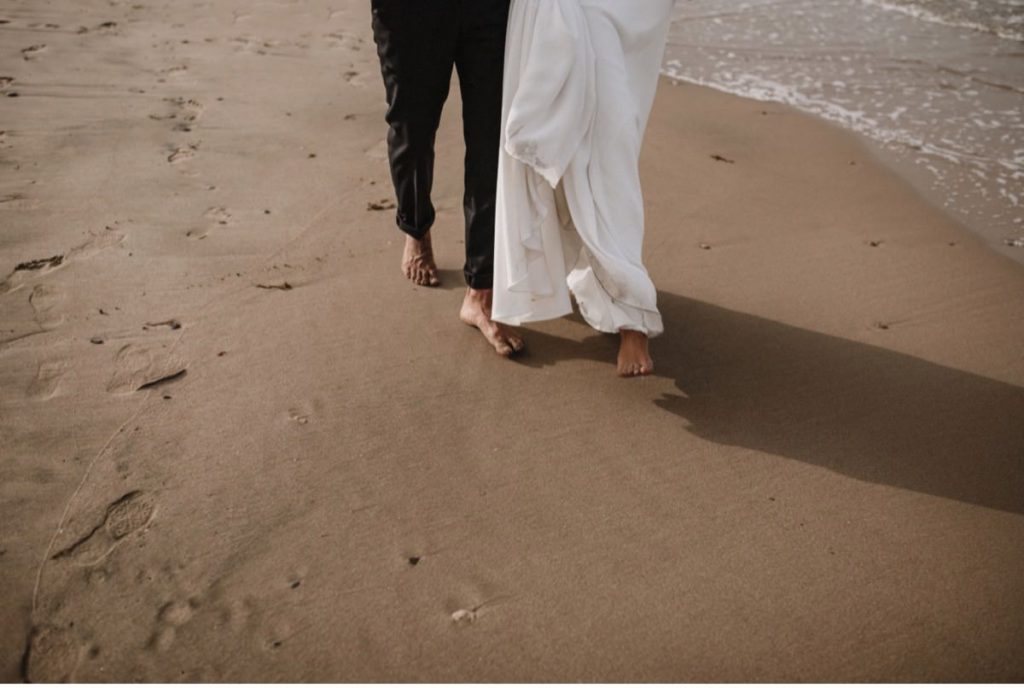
937, 85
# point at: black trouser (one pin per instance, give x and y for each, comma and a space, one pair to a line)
419, 41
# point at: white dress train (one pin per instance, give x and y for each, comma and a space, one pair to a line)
580, 77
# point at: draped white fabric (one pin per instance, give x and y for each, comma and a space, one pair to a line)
580, 77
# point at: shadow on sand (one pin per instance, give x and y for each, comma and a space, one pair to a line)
858, 409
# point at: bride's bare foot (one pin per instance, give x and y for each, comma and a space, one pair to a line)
634, 358
476, 311
418, 261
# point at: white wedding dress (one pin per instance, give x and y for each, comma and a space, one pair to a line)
580, 77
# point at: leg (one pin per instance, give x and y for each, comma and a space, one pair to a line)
416, 46
479, 59
480, 63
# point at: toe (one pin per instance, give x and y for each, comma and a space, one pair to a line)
494, 336
514, 341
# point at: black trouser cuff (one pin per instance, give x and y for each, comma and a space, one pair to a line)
476, 281
416, 233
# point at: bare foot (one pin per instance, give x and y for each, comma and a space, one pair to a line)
634, 358
418, 261
476, 311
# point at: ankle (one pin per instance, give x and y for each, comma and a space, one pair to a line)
632, 335
479, 298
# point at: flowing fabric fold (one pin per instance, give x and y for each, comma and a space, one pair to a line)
547, 94
551, 102
578, 84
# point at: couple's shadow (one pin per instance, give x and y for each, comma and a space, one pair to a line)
858, 409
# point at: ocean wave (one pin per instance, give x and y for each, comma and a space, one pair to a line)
1009, 26
768, 90
939, 100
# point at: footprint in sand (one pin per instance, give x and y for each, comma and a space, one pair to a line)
47, 379
31, 52
304, 412
17, 201
98, 240
241, 42
183, 153
137, 367
177, 613
260, 46
383, 204
23, 272
44, 300
27, 270
185, 112
172, 616
53, 655
354, 77
190, 112
217, 216
347, 41
127, 515
174, 69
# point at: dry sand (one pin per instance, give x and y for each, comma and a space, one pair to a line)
236, 444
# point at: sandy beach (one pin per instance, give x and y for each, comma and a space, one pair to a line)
236, 444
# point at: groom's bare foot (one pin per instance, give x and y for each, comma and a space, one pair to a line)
418, 261
476, 311
634, 358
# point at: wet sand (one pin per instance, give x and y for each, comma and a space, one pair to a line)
236, 444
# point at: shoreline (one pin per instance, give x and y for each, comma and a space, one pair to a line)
239, 446
913, 173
